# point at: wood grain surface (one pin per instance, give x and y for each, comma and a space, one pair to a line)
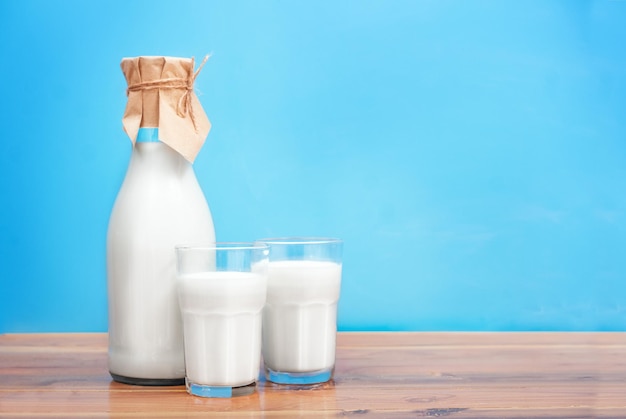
378, 375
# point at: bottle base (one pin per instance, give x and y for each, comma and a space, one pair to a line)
202, 390
148, 381
313, 377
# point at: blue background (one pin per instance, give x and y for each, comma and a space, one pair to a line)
472, 154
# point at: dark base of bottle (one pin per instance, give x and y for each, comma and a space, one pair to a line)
148, 381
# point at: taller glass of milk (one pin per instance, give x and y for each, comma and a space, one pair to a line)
300, 315
159, 205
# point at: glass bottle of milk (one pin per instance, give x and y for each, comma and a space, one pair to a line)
160, 204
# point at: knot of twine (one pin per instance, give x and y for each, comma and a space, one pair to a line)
184, 106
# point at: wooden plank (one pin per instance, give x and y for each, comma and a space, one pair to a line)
395, 375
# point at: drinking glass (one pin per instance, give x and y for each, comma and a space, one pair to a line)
221, 292
300, 314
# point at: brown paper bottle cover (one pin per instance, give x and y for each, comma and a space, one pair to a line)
160, 95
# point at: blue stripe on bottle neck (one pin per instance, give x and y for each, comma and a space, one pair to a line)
147, 135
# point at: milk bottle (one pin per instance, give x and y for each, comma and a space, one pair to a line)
159, 205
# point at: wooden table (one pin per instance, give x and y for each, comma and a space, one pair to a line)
386, 375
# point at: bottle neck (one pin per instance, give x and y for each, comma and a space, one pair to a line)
152, 155
147, 135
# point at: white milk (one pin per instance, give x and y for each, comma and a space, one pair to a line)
300, 316
222, 323
159, 205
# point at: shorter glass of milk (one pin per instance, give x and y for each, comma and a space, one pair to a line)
221, 291
300, 315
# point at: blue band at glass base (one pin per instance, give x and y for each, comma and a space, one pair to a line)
314, 377
222, 392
